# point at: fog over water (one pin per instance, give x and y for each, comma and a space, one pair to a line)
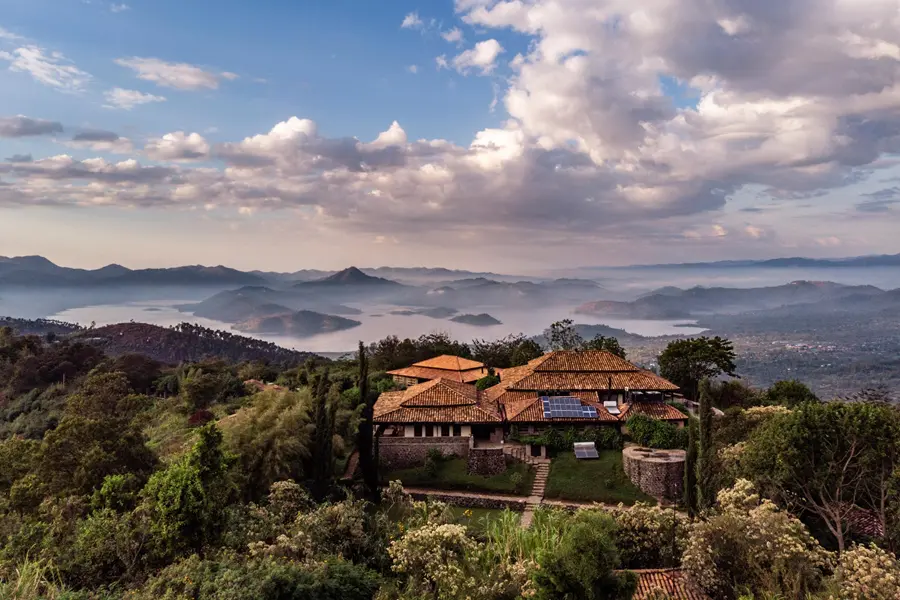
373, 328
145, 305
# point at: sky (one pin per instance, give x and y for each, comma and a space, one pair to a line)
495, 135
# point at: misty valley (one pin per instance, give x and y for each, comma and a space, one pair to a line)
832, 324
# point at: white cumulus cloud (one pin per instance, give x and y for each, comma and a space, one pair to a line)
128, 99
482, 57
180, 76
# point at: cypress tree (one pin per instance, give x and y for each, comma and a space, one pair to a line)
690, 470
322, 440
365, 437
706, 491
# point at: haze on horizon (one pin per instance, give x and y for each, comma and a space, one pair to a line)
489, 135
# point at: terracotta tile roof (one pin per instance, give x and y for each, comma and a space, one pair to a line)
657, 410
449, 362
865, 522
428, 373
582, 361
674, 582
440, 392
564, 380
437, 401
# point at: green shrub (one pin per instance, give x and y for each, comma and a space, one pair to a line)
604, 438
653, 433
486, 382
583, 564
260, 579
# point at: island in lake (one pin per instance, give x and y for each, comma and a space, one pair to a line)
438, 312
482, 320
303, 323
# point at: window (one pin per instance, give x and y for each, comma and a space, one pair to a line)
429, 431
457, 430
417, 430
445, 430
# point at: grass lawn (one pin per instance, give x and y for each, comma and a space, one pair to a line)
451, 475
598, 480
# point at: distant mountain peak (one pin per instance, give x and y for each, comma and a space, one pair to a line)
353, 276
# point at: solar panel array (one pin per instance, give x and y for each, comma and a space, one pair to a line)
566, 407
584, 450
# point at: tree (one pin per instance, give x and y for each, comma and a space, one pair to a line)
601, 342
185, 501
690, 469
583, 564
828, 459
686, 362
706, 452
525, 352
486, 382
271, 440
365, 437
323, 417
789, 393
511, 351
562, 335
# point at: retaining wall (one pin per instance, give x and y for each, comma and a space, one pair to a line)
658, 473
406, 452
486, 461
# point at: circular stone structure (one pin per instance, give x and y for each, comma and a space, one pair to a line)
659, 473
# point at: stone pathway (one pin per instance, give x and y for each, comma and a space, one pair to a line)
537, 493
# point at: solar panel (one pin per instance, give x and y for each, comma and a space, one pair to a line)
566, 407
585, 450
612, 407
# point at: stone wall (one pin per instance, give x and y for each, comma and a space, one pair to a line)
658, 473
406, 452
487, 461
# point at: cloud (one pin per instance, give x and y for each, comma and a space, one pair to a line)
100, 140
180, 76
22, 126
51, 69
482, 57
880, 201
594, 148
117, 8
454, 36
95, 135
829, 242
412, 21
19, 158
755, 232
413, 69
441, 62
178, 146
128, 99
5, 34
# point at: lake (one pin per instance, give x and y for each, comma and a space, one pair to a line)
374, 327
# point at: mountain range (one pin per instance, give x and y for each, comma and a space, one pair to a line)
676, 303
876, 260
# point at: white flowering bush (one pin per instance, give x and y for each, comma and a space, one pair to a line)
649, 536
867, 573
748, 543
441, 561
434, 560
